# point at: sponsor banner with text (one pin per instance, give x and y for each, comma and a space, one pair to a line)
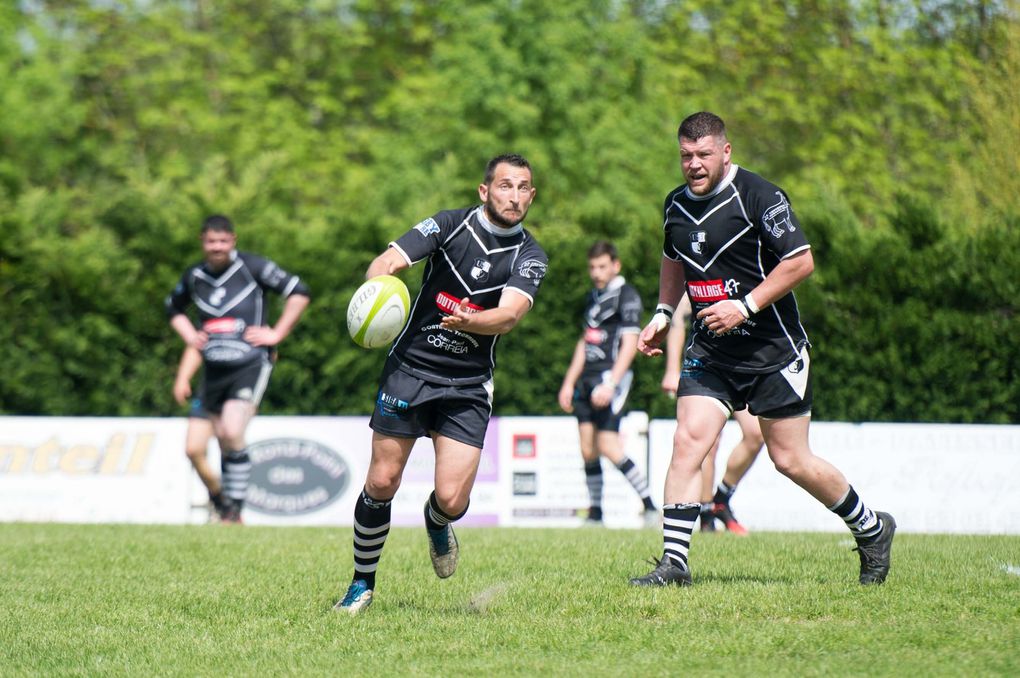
934, 478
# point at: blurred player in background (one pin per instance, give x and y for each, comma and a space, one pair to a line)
481, 278
715, 502
598, 380
228, 290
733, 243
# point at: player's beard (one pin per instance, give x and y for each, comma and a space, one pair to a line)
498, 219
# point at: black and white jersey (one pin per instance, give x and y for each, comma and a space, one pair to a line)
229, 301
728, 241
467, 257
609, 314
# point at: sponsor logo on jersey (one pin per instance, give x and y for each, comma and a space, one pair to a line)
447, 344
776, 218
480, 271
706, 290
293, 476
594, 335
698, 241
216, 298
223, 326
427, 227
448, 304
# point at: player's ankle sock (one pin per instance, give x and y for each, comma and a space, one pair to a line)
371, 527
593, 478
637, 480
677, 526
724, 492
706, 509
861, 520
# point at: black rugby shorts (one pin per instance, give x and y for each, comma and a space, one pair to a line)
781, 394
410, 407
247, 382
607, 418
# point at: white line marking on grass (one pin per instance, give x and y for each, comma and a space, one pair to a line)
1009, 568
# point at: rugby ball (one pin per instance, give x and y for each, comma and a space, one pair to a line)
378, 311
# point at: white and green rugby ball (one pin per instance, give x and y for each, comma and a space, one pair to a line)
378, 311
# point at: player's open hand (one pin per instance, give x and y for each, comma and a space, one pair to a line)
182, 391
458, 320
566, 398
651, 337
261, 335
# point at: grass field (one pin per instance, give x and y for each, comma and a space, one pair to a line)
229, 601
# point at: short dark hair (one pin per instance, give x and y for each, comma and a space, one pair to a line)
217, 222
701, 124
601, 247
515, 159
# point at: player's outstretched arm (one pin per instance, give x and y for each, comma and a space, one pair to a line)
512, 307
387, 263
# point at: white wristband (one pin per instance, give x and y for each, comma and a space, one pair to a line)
741, 307
661, 321
751, 306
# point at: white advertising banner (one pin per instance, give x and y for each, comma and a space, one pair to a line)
544, 482
310, 470
934, 478
93, 470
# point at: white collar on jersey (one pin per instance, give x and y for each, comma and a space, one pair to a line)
493, 228
727, 180
614, 284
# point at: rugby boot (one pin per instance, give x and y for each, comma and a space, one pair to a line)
443, 549
664, 574
876, 553
726, 517
357, 599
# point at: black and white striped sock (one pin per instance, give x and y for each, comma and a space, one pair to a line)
861, 520
593, 478
637, 480
236, 468
677, 525
371, 527
436, 518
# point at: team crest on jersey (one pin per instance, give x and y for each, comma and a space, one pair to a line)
427, 227
698, 241
533, 269
216, 298
480, 271
776, 218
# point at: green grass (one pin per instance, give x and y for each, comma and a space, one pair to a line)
226, 601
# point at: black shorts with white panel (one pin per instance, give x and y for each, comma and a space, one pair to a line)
606, 418
247, 382
410, 406
781, 394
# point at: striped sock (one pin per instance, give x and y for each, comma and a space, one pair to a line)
593, 477
236, 468
861, 520
436, 518
371, 527
677, 526
637, 480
